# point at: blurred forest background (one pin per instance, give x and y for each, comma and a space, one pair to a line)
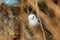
14, 19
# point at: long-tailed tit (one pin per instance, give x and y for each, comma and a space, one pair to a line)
33, 20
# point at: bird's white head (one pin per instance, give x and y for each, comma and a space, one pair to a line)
33, 20
32, 17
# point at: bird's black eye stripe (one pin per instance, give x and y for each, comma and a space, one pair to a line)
38, 21
33, 17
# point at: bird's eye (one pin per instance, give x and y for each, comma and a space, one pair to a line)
38, 21
32, 18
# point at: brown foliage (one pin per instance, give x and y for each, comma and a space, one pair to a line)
17, 25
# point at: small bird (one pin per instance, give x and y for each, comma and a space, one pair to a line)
33, 20
11, 2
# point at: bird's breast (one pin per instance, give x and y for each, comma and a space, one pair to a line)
33, 23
